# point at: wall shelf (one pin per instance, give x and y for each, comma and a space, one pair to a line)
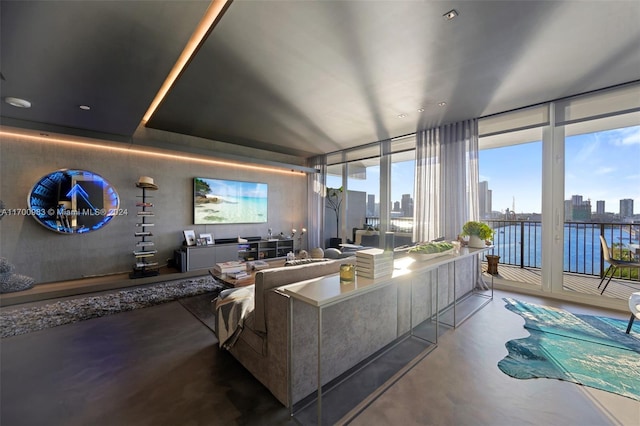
144, 265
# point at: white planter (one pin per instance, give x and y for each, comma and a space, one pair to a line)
476, 242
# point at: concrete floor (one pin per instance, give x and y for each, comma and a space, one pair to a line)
161, 366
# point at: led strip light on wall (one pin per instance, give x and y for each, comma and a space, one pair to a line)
129, 150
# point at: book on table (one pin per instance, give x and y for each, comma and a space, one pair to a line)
374, 263
237, 275
373, 274
230, 267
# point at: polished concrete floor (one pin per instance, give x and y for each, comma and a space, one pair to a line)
161, 366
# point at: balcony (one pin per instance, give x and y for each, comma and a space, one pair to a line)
519, 245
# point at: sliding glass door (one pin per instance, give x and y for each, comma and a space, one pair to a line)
602, 186
510, 198
554, 179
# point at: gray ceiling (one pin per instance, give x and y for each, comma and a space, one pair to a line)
306, 77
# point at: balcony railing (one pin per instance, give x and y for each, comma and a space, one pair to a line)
519, 243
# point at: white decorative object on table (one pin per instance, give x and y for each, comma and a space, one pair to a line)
316, 253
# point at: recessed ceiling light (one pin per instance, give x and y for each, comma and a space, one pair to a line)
420, 109
402, 115
450, 14
442, 104
84, 107
17, 102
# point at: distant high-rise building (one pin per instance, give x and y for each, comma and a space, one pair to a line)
407, 205
568, 210
626, 207
582, 213
577, 209
396, 206
600, 207
371, 204
484, 199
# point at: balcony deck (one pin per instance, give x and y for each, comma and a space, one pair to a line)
619, 289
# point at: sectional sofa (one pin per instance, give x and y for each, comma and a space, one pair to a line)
353, 329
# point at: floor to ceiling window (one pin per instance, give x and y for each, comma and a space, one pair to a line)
555, 177
602, 189
378, 184
510, 200
334, 212
546, 173
363, 195
402, 184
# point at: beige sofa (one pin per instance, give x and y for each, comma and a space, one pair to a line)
353, 329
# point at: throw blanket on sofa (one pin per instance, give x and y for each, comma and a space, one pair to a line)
232, 307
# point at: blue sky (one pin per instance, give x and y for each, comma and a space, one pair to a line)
598, 166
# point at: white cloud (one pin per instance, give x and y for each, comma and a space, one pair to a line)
604, 170
626, 137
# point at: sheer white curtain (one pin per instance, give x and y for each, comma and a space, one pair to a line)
315, 200
446, 183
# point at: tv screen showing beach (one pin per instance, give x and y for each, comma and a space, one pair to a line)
229, 201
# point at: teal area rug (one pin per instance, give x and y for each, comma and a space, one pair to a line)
588, 350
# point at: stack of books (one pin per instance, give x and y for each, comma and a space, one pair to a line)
230, 267
374, 263
240, 275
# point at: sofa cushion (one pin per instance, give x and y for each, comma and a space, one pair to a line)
277, 277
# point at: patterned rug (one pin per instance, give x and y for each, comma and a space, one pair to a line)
588, 350
22, 320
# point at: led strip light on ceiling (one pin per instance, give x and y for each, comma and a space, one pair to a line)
211, 17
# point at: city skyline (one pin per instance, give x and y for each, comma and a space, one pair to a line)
626, 206
595, 167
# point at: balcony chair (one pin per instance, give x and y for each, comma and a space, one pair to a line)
634, 306
614, 264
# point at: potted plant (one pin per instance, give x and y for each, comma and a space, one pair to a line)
334, 202
478, 233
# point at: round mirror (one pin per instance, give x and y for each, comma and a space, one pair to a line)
73, 201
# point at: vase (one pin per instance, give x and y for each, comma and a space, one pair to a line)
476, 242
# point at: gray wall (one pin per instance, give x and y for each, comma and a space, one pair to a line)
48, 256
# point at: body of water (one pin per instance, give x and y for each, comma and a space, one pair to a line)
581, 244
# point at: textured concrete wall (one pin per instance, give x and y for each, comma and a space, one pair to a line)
48, 256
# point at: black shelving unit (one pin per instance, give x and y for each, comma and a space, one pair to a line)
144, 253
265, 249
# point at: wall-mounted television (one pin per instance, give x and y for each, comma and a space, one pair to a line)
221, 201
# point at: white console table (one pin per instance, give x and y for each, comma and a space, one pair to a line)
326, 291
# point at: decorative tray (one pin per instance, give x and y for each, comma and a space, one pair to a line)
430, 250
429, 256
